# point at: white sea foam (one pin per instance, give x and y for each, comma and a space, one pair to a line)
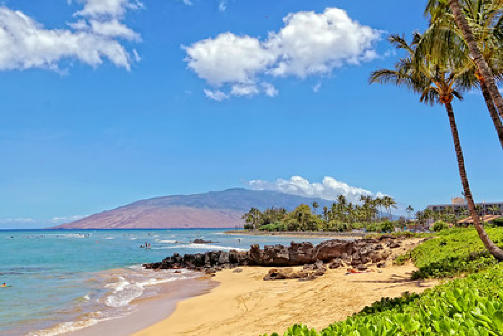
109, 238
166, 241
125, 291
67, 327
66, 235
203, 247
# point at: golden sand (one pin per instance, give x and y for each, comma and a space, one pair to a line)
244, 304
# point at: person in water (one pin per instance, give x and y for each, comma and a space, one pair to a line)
4, 285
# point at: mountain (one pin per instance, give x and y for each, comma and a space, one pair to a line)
215, 209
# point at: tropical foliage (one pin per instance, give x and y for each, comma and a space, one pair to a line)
446, 60
453, 252
341, 216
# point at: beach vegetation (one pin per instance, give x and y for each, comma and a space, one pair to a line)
451, 253
342, 216
440, 225
439, 74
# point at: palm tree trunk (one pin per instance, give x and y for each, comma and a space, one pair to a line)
492, 111
488, 243
479, 60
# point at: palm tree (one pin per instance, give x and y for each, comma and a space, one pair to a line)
437, 80
379, 203
478, 58
253, 218
409, 210
494, 209
388, 203
482, 16
315, 207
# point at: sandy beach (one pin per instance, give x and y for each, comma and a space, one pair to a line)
300, 234
243, 304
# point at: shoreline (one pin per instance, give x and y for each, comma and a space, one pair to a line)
150, 310
249, 306
324, 235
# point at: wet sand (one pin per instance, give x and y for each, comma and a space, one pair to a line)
148, 311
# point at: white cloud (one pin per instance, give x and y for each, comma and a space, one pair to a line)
66, 219
216, 95
114, 28
317, 87
270, 90
112, 8
25, 43
228, 58
328, 189
244, 90
308, 44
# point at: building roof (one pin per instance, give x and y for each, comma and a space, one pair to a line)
486, 218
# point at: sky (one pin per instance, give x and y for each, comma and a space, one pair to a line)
105, 102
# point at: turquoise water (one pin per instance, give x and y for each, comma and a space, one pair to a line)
62, 280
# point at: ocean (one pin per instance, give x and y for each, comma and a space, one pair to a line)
66, 280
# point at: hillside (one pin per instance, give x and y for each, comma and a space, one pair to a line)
216, 209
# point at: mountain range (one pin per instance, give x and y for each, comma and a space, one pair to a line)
215, 209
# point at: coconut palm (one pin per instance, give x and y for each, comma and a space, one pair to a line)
494, 210
484, 18
409, 210
478, 58
437, 80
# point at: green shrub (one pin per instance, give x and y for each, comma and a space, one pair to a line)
453, 252
386, 226
440, 225
497, 222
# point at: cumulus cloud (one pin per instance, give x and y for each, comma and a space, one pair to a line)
309, 44
25, 43
113, 8
328, 189
228, 58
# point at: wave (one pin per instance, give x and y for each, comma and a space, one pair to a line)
166, 241
62, 235
202, 247
68, 327
126, 290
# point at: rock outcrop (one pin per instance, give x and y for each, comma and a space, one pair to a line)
334, 253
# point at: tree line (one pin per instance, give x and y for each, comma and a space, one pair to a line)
342, 215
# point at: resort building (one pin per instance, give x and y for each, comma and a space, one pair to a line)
459, 205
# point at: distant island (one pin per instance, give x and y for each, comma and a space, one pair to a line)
215, 209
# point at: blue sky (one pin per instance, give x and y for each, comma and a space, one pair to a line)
114, 106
